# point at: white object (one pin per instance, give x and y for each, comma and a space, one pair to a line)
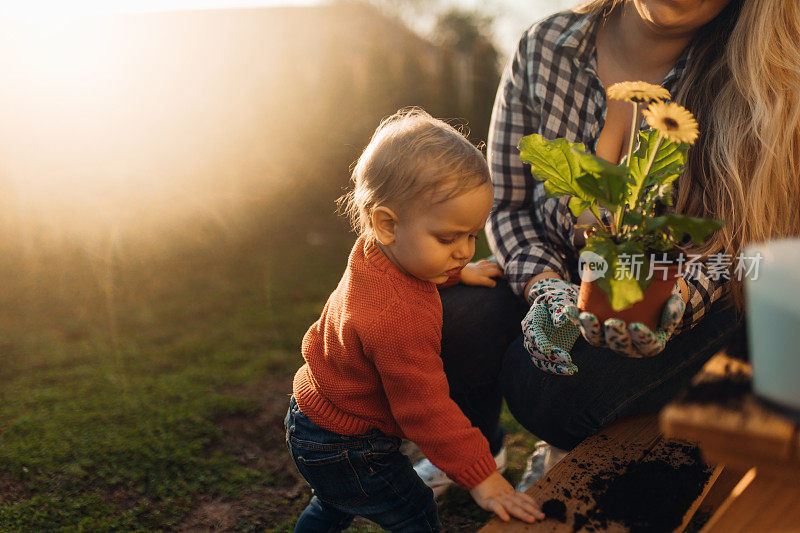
544, 457
438, 480
773, 321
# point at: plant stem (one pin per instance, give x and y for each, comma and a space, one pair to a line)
653, 155
634, 130
633, 134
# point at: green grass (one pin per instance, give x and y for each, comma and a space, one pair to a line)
117, 374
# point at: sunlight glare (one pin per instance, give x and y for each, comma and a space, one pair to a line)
131, 110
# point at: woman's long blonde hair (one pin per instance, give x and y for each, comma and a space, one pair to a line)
743, 86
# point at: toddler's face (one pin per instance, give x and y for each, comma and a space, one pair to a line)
434, 242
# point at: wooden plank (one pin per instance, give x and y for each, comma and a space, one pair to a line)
627, 440
689, 514
758, 503
721, 489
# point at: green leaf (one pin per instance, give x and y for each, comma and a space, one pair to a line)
624, 293
610, 190
603, 180
697, 228
602, 245
596, 166
556, 163
632, 218
578, 205
557, 189
667, 165
654, 224
634, 251
621, 288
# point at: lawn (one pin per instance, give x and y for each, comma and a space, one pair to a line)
143, 388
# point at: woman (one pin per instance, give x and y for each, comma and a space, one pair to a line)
736, 65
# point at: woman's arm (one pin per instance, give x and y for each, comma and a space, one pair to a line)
515, 236
699, 292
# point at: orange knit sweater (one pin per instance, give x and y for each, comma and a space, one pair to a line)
372, 361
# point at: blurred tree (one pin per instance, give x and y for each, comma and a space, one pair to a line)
485, 78
416, 91
448, 99
407, 10
469, 34
463, 30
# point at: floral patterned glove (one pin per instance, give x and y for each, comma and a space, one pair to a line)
548, 332
634, 339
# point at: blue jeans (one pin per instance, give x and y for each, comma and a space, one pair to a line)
485, 361
364, 475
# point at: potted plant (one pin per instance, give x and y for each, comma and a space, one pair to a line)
630, 266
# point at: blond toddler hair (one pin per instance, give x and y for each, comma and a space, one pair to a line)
411, 162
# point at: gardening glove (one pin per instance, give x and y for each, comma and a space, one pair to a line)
548, 333
634, 339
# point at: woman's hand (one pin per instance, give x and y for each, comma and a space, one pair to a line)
481, 273
634, 339
495, 494
548, 332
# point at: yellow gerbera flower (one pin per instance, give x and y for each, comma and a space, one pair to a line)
637, 91
672, 121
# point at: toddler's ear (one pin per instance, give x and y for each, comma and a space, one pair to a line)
384, 224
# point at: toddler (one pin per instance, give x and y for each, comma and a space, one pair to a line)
372, 371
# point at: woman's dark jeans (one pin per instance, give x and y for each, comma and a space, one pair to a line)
485, 360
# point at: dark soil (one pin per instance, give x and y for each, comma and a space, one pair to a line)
11, 490
257, 439
555, 509
650, 495
579, 521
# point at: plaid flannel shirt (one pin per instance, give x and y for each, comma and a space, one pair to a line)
550, 86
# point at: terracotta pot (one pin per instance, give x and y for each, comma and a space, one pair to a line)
593, 299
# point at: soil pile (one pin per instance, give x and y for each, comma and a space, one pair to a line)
555, 509
647, 496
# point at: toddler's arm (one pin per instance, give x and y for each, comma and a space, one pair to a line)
404, 344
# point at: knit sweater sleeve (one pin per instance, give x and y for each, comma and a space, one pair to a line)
404, 347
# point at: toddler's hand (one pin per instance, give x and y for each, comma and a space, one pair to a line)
481, 273
495, 494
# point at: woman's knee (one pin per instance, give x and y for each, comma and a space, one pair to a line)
557, 409
469, 309
478, 325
